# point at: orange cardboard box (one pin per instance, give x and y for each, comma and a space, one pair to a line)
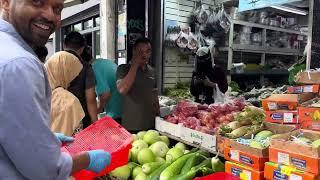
309, 116
308, 77
303, 89
281, 116
245, 158
285, 101
276, 171
222, 142
301, 162
244, 172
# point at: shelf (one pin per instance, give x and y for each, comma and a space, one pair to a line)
190, 144
270, 72
244, 23
261, 49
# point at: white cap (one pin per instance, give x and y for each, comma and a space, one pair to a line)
202, 51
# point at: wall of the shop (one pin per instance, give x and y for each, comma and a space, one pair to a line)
177, 65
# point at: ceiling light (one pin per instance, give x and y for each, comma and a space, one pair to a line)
291, 10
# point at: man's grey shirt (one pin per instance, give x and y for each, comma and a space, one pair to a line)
28, 149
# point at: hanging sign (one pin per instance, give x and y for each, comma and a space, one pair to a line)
245, 5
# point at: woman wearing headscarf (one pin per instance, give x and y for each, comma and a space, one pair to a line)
66, 110
207, 77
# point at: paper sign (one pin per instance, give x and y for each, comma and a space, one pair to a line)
287, 117
245, 5
234, 155
283, 158
295, 177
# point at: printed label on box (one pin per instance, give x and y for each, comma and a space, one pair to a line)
295, 177
297, 89
246, 160
308, 89
278, 176
277, 116
234, 155
272, 106
283, 158
302, 164
245, 175
236, 171
288, 117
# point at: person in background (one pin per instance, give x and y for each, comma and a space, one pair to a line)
136, 82
42, 53
66, 110
83, 86
87, 55
207, 77
110, 100
28, 149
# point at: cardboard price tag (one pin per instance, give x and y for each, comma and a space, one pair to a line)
245, 175
234, 155
287, 117
287, 170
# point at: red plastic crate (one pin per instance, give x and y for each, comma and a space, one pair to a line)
104, 134
219, 175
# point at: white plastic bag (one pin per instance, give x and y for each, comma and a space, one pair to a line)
218, 96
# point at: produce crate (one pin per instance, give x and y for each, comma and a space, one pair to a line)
219, 175
289, 117
309, 116
104, 134
167, 127
244, 172
276, 171
222, 143
285, 101
303, 157
308, 77
301, 162
303, 89
198, 138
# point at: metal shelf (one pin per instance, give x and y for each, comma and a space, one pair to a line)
244, 23
270, 72
190, 144
261, 49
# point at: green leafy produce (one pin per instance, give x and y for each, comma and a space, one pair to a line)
235, 87
316, 143
254, 129
256, 144
179, 91
263, 135
250, 115
155, 175
191, 162
241, 131
122, 172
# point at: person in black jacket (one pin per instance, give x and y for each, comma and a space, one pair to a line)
206, 77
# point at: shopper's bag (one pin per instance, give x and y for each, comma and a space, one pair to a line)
218, 96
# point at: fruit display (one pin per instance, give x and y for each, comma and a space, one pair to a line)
205, 118
152, 159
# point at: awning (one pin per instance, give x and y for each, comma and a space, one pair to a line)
68, 3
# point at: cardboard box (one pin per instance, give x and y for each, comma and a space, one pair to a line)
301, 162
309, 116
245, 158
303, 89
244, 172
283, 142
206, 141
276, 171
308, 77
167, 127
285, 101
222, 142
289, 117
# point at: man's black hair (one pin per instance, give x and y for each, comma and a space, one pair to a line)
74, 40
142, 40
41, 52
87, 54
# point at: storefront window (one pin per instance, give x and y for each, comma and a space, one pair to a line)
77, 27
97, 20
97, 44
88, 24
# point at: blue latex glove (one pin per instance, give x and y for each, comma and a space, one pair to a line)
99, 160
64, 139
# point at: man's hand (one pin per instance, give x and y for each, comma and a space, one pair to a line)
63, 139
198, 81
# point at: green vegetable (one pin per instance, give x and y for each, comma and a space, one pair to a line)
179, 91
263, 135
191, 162
137, 170
250, 115
193, 171
122, 172
228, 128
150, 167
316, 144
141, 176
238, 132
216, 164
173, 154
155, 175
175, 167
235, 87
256, 144
253, 130
207, 171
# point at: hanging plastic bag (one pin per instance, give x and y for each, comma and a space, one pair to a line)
218, 96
